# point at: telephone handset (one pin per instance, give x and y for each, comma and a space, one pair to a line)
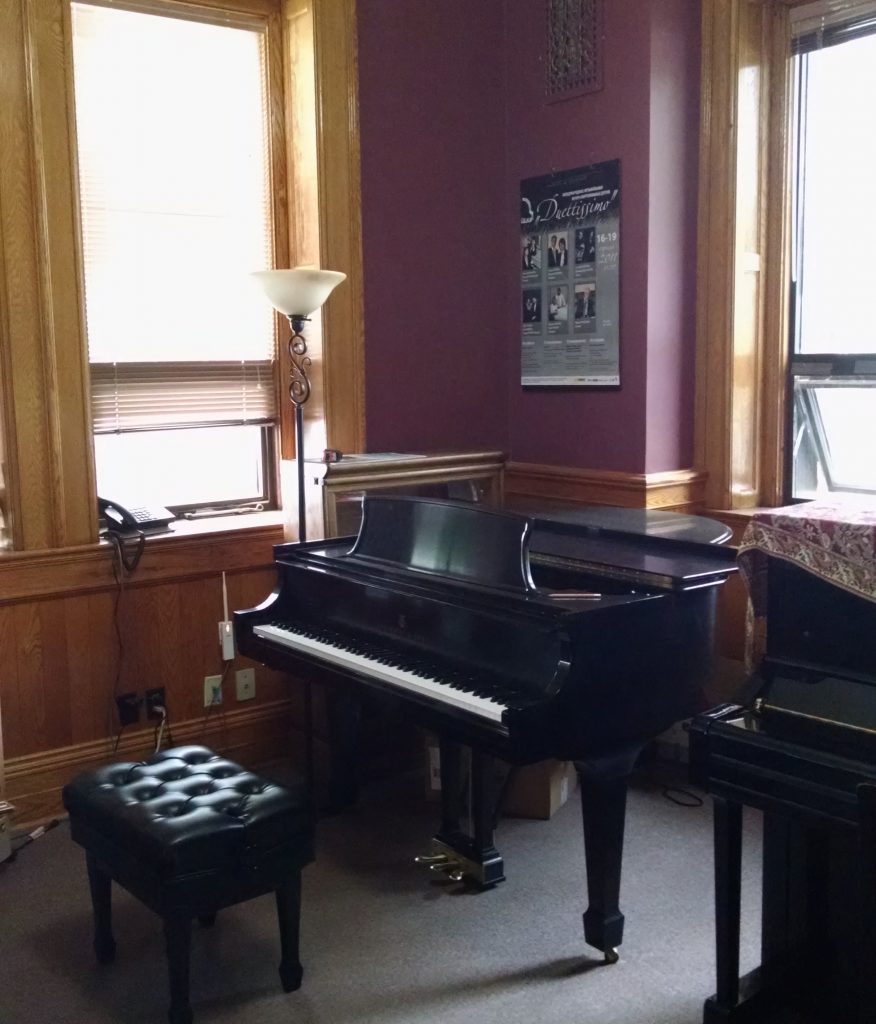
150, 518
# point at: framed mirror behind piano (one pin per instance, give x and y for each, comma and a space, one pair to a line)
335, 489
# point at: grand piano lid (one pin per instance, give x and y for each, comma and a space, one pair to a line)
639, 522
669, 550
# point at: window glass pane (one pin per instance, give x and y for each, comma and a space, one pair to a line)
838, 221
175, 186
833, 453
181, 467
174, 179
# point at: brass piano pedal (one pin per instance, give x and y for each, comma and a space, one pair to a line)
611, 956
443, 863
451, 868
433, 861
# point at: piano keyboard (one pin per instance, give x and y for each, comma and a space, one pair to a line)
348, 654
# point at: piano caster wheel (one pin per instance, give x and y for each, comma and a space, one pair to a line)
611, 956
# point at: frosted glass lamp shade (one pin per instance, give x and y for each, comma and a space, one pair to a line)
297, 292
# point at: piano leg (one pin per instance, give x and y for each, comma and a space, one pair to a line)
460, 856
482, 808
728, 888
344, 712
452, 802
603, 811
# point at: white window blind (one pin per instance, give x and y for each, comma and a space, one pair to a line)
174, 178
830, 22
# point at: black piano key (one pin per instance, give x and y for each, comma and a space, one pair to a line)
428, 668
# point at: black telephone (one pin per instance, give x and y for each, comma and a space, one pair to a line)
143, 519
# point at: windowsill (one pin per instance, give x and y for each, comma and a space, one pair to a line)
239, 523
181, 530
193, 549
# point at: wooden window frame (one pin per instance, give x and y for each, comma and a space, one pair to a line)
743, 269
48, 469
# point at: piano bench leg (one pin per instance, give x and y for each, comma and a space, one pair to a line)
101, 901
178, 936
289, 916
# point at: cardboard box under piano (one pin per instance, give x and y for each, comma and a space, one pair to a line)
533, 791
539, 790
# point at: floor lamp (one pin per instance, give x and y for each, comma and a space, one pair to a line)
298, 293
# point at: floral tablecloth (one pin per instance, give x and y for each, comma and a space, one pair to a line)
835, 542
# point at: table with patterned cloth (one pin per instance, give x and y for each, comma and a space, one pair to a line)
834, 541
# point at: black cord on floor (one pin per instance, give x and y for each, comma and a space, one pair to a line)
685, 797
118, 737
30, 837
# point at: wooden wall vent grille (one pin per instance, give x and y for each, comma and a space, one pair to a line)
574, 47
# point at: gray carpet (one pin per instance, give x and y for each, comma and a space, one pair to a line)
383, 945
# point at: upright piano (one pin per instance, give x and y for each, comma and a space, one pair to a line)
578, 635
798, 750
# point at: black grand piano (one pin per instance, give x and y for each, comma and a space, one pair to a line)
578, 635
799, 750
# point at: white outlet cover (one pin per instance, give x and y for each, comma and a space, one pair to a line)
245, 680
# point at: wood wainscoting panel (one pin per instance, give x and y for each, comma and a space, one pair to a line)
63, 660
528, 484
72, 638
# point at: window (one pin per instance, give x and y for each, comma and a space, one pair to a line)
833, 324
747, 438
174, 182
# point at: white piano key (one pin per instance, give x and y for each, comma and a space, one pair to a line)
434, 689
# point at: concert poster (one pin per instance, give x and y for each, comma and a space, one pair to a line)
569, 278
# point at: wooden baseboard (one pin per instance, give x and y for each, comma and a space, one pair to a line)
251, 736
680, 490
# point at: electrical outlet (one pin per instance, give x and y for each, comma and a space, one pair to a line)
245, 679
128, 707
154, 698
212, 690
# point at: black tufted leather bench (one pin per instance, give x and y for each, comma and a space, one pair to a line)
188, 833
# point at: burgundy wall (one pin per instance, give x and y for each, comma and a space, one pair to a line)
432, 126
454, 115
573, 427
675, 112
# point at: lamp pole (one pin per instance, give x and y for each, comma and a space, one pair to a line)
299, 392
296, 293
